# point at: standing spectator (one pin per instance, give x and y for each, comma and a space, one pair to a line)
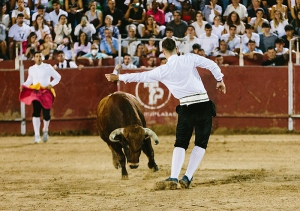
48, 47
158, 15
187, 11
21, 9
289, 34
249, 35
275, 60
74, 9
266, 39
212, 10
83, 46
278, 24
240, 9
85, 27
40, 28
17, 33
257, 21
108, 24
234, 19
251, 52
187, 47
56, 13
150, 28
114, 12
67, 47
179, 26
109, 45
41, 11
199, 24
218, 29
135, 15
296, 23
169, 13
62, 29
208, 41
256, 4
223, 50
279, 7
233, 41
94, 16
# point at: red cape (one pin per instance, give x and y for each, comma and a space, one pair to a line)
44, 96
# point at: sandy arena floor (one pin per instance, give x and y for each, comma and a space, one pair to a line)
241, 172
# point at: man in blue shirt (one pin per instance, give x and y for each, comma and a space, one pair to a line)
109, 45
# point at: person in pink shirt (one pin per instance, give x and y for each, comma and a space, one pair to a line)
159, 16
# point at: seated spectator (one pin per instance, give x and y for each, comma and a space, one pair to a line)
257, 4
162, 4
136, 15
62, 29
37, 3
140, 51
211, 11
234, 19
67, 47
109, 45
4, 21
158, 15
21, 9
48, 47
108, 24
150, 48
296, 23
223, 50
278, 23
83, 46
17, 33
252, 52
30, 46
257, 21
249, 35
273, 59
199, 24
219, 61
85, 27
208, 41
125, 65
56, 13
281, 8
266, 39
196, 48
280, 49
233, 41
151, 62
289, 34
39, 28
179, 26
187, 46
116, 13
94, 16
169, 13
169, 34
240, 9
187, 11
150, 28
4, 18
295, 10
64, 63
163, 60
96, 40
95, 54
129, 44
201, 52
176, 3
75, 10
41, 11
217, 28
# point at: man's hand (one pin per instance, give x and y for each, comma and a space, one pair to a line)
221, 86
112, 77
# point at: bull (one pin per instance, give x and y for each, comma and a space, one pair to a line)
121, 124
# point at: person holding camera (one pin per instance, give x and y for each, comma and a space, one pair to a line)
85, 27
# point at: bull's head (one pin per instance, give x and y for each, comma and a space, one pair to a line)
132, 138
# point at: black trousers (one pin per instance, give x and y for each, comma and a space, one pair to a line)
37, 107
198, 116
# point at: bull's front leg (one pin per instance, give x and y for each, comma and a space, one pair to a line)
148, 150
115, 158
122, 159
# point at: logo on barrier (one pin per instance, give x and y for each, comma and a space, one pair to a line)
151, 95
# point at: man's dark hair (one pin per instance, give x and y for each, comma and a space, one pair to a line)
170, 29
126, 54
271, 48
55, 2
260, 9
196, 46
265, 25
60, 52
191, 26
279, 40
177, 11
20, 15
218, 56
232, 26
169, 44
289, 27
248, 26
36, 53
208, 26
251, 41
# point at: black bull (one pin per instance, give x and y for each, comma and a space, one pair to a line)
121, 124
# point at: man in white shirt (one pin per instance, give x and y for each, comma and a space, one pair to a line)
187, 46
41, 11
169, 34
195, 109
208, 41
280, 49
127, 64
233, 41
39, 76
17, 33
63, 63
129, 46
212, 10
85, 27
237, 7
54, 15
249, 35
21, 9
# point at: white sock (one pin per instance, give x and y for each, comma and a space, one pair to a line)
177, 161
46, 125
36, 125
195, 160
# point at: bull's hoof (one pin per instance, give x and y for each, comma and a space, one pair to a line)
124, 177
117, 164
153, 166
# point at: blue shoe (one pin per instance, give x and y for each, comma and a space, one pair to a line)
185, 182
167, 184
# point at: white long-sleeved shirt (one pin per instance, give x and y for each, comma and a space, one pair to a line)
179, 74
42, 74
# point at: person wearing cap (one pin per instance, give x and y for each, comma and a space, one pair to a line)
95, 54
275, 60
257, 21
267, 38
21, 9
17, 33
280, 48
249, 35
194, 112
41, 11
289, 34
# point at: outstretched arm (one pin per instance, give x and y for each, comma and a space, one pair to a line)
221, 86
112, 77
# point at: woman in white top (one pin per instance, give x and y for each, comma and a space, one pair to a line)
61, 29
217, 29
199, 24
4, 23
278, 24
234, 19
40, 28
95, 17
4, 18
257, 21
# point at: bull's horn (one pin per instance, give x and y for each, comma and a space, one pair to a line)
152, 135
114, 133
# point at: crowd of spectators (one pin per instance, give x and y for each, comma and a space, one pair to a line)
89, 29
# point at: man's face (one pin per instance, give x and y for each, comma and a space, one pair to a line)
196, 51
251, 46
169, 34
176, 16
56, 6
219, 60
38, 58
61, 57
249, 31
223, 46
279, 47
41, 12
107, 33
190, 31
20, 20
20, 3
111, 4
131, 32
151, 62
289, 33
266, 29
126, 60
232, 31
271, 54
154, 4
208, 32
